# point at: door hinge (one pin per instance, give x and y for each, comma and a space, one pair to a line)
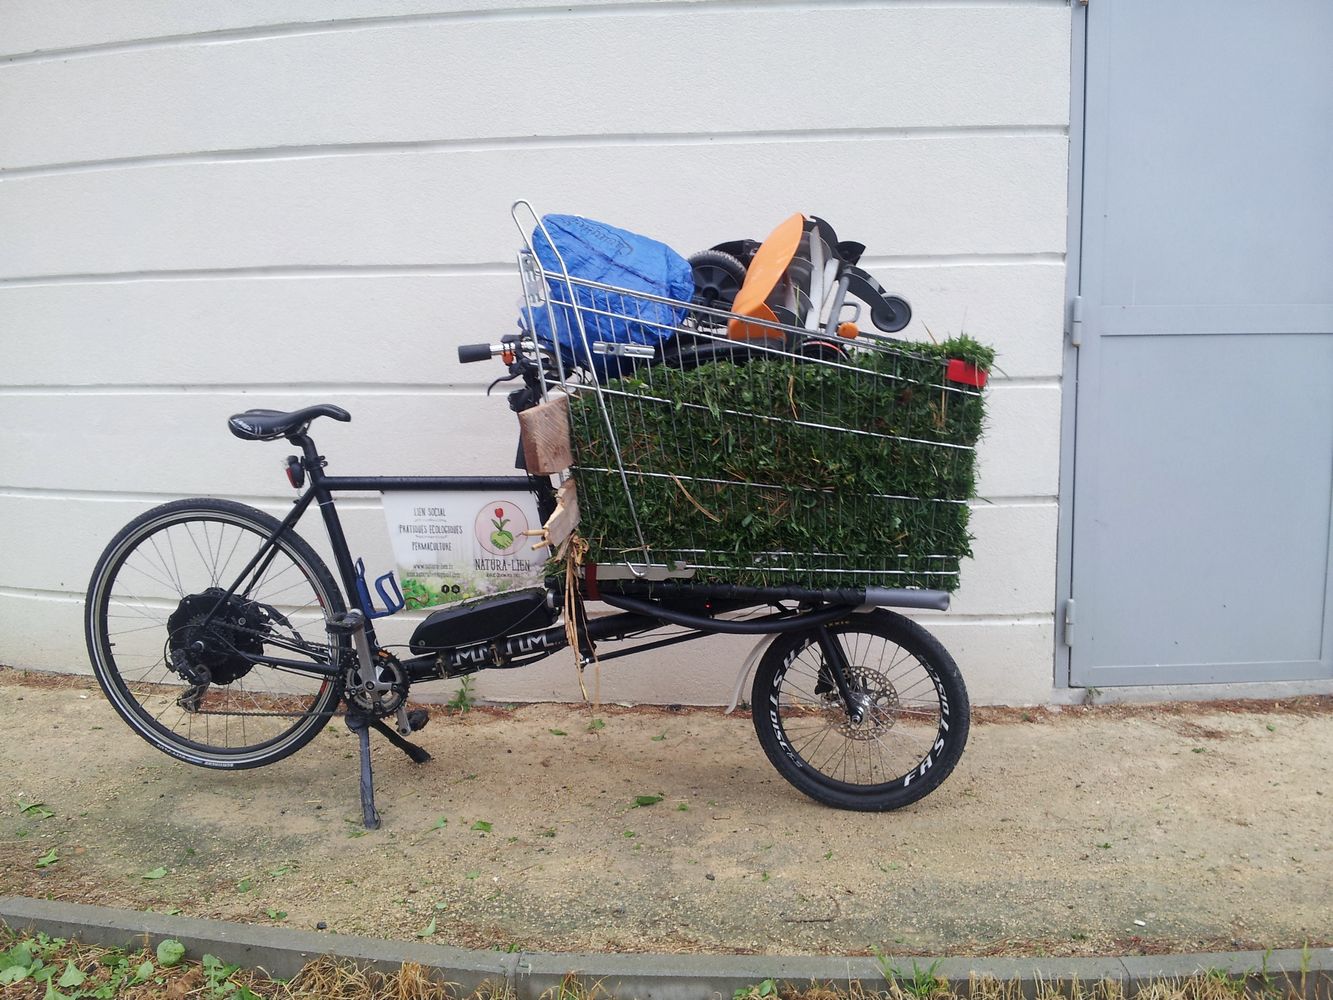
1076, 321
1069, 622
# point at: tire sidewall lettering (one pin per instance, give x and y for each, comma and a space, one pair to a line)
938, 757
779, 731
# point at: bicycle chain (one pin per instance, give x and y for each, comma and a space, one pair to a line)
307, 648
284, 715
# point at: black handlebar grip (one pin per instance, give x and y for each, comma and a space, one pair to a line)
468, 353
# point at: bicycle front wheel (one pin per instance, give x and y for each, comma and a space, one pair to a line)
914, 723
174, 651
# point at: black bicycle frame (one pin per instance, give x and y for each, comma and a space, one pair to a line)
638, 613
321, 489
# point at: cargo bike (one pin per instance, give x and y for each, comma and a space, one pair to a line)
731, 463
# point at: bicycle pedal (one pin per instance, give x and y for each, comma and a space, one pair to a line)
346, 623
417, 719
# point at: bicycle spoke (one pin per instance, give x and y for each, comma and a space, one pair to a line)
899, 714
222, 573
158, 603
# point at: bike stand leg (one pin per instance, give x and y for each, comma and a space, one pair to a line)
418, 754
371, 818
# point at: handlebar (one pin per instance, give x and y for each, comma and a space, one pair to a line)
468, 353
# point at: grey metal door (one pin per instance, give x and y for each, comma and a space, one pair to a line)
1203, 448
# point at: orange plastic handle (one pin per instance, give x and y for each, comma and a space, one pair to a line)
770, 263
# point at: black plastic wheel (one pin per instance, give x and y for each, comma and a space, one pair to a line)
915, 722
170, 649
718, 277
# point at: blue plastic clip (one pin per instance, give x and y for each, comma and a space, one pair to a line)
393, 603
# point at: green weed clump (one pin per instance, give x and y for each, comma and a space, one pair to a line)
787, 471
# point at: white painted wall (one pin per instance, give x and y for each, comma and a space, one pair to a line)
210, 206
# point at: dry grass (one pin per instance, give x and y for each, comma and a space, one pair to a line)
331, 978
337, 979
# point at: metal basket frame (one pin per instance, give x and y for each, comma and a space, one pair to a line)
701, 324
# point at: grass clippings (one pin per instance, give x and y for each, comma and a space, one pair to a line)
38, 967
785, 470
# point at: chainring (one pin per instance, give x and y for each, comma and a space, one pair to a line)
389, 692
237, 627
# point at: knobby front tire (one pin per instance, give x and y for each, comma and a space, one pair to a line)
915, 723
148, 596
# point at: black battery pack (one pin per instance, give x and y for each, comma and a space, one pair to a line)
483, 619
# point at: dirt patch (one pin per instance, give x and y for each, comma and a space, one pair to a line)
1076, 832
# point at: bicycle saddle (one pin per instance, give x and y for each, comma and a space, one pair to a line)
269, 425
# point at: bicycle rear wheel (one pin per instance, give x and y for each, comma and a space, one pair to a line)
172, 650
915, 722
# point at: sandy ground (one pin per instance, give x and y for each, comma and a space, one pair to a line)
1078, 832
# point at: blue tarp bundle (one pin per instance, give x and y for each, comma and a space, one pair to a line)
595, 251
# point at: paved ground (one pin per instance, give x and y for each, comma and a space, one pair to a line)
1080, 832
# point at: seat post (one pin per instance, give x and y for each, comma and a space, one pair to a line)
314, 461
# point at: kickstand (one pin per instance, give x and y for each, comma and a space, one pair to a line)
362, 724
357, 723
417, 753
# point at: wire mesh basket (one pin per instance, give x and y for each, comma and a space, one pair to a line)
728, 449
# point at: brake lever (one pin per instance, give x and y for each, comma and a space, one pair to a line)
503, 378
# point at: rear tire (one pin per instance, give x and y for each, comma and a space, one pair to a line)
916, 717
151, 591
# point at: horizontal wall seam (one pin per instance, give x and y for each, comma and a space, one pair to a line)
1036, 500
1023, 618
117, 496
275, 501
1047, 257
265, 271
351, 388
1037, 618
668, 7
521, 142
33, 594
465, 390
484, 269
999, 381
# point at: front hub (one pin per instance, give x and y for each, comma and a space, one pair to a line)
874, 700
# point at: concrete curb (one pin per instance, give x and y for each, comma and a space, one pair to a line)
281, 951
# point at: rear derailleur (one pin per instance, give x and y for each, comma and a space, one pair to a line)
197, 678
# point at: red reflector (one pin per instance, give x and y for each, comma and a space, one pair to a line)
293, 476
967, 374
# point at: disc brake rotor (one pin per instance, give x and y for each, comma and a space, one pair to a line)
879, 701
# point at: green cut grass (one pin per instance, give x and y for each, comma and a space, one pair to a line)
787, 471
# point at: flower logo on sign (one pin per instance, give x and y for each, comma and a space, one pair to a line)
500, 538
500, 528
